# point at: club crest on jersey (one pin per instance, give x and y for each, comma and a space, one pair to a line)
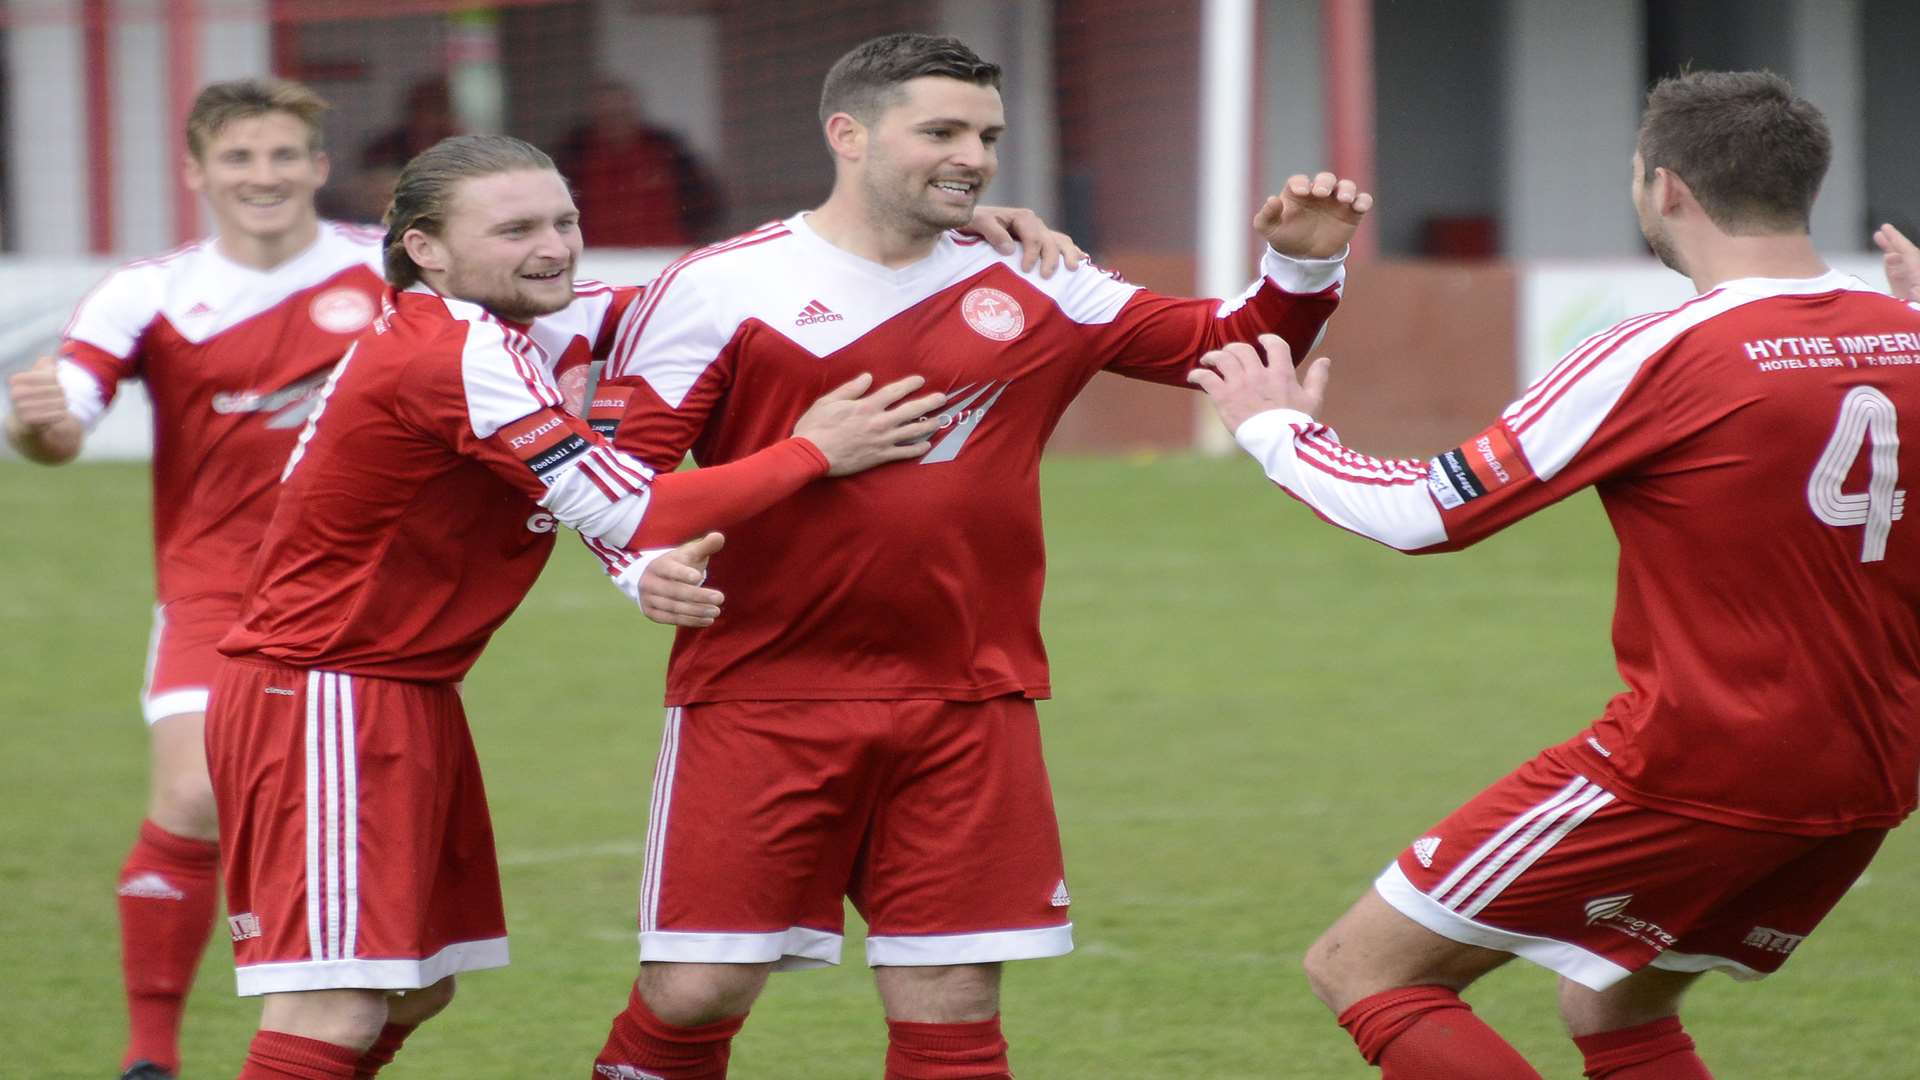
993, 314
1485, 463
544, 441
342, 311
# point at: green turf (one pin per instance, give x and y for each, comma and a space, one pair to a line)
1254, 714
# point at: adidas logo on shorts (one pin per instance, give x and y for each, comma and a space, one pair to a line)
1424, 848
1061, 898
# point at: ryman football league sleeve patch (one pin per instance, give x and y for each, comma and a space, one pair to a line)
544, 441
609, 404
1485, 463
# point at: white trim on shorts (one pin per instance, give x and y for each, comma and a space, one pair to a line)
993, 946
793, 949
174, 703
1693, 963
253, 980
1591, 970
651, 869
157, 707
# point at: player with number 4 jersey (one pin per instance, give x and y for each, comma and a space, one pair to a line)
1754, 450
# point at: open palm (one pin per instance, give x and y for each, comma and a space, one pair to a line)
1312, 217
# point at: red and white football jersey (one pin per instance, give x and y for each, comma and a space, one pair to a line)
914, 580
233, 359
420, 501
1747, 447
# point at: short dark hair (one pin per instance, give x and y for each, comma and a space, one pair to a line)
867, 80
219, 104
1750, 151
423, 196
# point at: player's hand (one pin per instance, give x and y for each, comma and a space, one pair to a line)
857, 433
1312, 217
1040, 246
1903, 262
1241, 386
671, 589
38, 401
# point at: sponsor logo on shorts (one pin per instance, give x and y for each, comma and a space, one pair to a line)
280, 690
244, 925
1611, 912
1486, 463
1767, 939
150, 886
625, 1072
1424, 848
1061, 898
1598, 748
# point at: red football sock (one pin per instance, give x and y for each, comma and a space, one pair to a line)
1428, 1033
169, 892
380, 1054
975, 1051
276, 1055
1656, 1051
645, 1043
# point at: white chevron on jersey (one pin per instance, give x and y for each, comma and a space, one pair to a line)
774, 275
201, 292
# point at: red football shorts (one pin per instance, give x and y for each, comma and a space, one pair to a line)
934, 817
354, 829
181, 658
1547, 865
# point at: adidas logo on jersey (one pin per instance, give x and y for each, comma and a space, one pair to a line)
1061, 898
1424, 848
816, 312
200, 308
150, 886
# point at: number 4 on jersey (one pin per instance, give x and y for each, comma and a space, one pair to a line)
1865, 413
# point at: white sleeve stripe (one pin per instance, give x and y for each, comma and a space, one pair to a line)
1317, 450
1335, 452
517, 344
634, 323
624, 467
615, 559
607, 474
1546, 393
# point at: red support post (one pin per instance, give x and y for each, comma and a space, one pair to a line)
183, 82
1347, 30
97, 42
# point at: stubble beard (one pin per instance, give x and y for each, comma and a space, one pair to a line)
511, 301
896, 207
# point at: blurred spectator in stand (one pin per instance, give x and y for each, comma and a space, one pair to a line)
638, 185
427, 118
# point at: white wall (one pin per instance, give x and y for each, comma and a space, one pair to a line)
1572, 105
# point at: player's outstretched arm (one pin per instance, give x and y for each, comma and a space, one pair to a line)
1312, 217
1902, 260
1241, 386
1040, 246
855, 433
39, 425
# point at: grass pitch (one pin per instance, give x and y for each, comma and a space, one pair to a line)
1254, 714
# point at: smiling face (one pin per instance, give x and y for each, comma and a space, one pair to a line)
259, 174
931, 153
510, 244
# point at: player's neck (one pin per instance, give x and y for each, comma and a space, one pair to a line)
267, 252
1721, 258
849, 225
